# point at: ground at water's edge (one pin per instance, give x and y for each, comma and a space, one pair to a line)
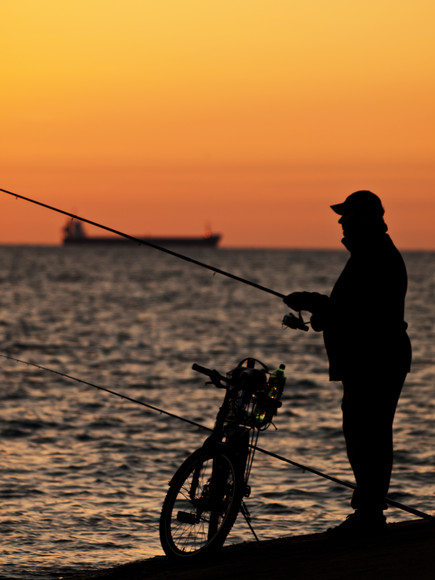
406, 551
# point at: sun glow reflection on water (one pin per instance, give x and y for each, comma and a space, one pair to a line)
84, 473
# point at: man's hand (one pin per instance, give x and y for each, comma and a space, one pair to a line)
309, 301
299, 301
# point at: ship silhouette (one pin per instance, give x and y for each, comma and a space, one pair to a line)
75, 234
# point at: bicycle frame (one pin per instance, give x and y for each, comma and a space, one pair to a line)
206, 492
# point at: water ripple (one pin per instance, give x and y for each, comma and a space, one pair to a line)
84, 473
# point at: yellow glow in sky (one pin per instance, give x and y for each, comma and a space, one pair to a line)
168, 115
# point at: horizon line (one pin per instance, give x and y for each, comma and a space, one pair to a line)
4, 244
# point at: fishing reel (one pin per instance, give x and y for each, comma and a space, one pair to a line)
295, 322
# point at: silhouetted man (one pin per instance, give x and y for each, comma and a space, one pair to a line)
368, 350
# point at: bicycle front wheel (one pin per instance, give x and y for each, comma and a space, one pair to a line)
201, 505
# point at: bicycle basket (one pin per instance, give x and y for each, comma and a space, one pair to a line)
247, 383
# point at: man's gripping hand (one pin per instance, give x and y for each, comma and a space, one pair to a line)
309, 301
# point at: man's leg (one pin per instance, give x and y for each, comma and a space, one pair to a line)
368, 412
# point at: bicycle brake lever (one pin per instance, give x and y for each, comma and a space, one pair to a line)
215, 379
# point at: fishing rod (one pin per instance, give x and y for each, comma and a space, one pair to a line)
147, 243
389, 501
122, 396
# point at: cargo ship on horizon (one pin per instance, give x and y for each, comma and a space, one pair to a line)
74, 234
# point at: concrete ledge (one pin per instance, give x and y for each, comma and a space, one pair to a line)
405, 552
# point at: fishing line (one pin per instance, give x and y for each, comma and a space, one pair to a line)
389, 501
147, 243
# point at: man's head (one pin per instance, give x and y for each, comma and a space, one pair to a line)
361, 215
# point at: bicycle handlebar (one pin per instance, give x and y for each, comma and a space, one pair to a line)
213, 374
200, 369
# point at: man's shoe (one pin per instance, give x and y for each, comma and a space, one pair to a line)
359, 524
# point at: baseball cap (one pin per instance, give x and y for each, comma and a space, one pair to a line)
360, 202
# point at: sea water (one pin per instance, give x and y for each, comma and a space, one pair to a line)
84, 473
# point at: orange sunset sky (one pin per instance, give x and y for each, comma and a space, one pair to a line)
250, 116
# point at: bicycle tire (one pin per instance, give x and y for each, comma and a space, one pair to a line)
201, 505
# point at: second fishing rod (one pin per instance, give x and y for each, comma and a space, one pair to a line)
195, 424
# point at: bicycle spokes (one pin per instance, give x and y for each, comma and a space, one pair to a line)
199, 509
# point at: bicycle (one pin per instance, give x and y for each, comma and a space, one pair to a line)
207, 491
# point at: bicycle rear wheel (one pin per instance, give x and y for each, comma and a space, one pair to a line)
201, 505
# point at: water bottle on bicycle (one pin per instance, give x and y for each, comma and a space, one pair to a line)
265, 410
